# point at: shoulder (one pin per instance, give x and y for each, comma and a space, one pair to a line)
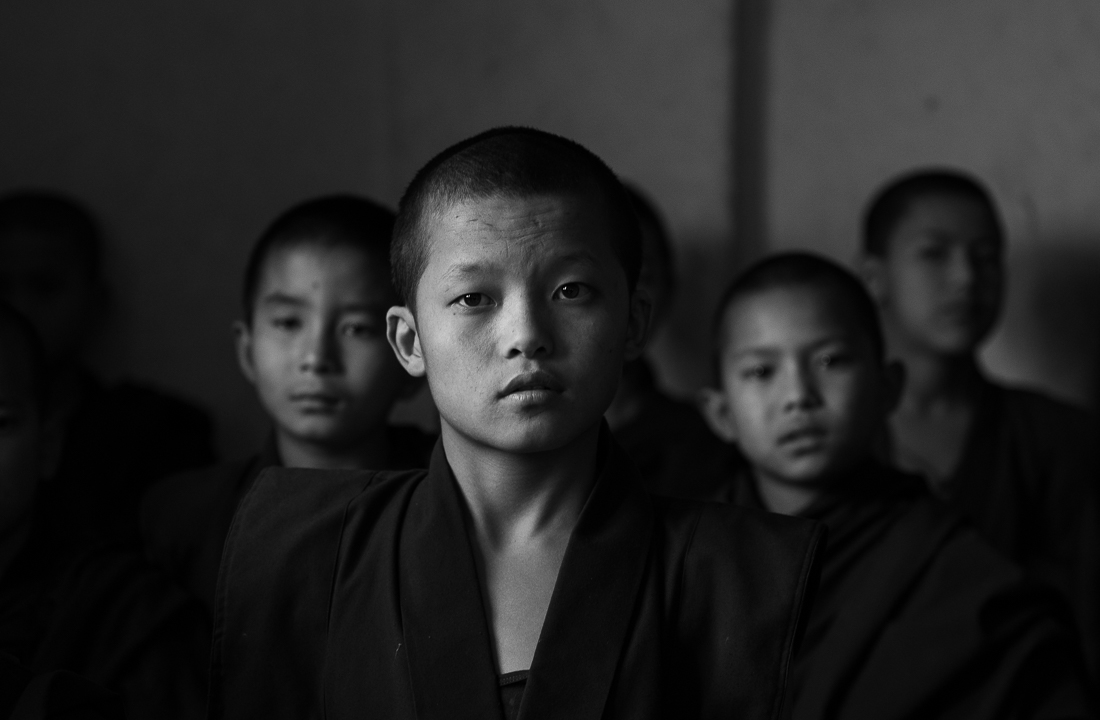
410, 447
1042, 412
179, 504
733, 549
296, 511
133, 401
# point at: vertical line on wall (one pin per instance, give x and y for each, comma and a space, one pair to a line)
751, 37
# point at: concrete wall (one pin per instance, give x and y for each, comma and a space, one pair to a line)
188, 126
858, 91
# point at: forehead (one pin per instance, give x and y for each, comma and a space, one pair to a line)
952, 216
787, 317
310, 267
520, 228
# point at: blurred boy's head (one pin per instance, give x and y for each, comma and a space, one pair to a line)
932, 256
23, 446
50, 256
657, 275
516, 253
313, 341
803, 385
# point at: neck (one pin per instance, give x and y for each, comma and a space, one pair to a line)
12, 542
370, 453
517, 498
934, 381
785, 498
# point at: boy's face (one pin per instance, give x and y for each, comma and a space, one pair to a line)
316, 347
941, 280
43, 277
21, 441
802, 392
523, 321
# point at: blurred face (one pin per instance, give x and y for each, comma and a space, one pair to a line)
523, 321
941, 281
21, 442
43, 278
802, 394
316, 348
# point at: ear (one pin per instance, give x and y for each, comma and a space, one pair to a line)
637, 332
405, 340
873, 271
716, 410
894, 380
244, 350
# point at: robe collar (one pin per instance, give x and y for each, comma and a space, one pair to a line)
444, 621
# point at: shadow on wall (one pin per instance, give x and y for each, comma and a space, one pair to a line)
1050, 331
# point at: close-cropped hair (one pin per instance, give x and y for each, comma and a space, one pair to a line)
513, 162
801, 270
326, 222
890, 205
16, 328
53, 213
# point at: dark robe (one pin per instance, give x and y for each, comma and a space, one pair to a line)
119, 440
184, 519
670, 442
351, 595
103, 614
1029, 480
54, 695
917, 617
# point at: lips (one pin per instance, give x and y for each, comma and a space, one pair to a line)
315, 400
539, 380
802, 434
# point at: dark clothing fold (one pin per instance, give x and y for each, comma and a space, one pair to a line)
917, 617
356, 595
1029, 481
104, 614
185, 518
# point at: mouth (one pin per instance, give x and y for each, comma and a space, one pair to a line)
533, 386
803, 437
316, 401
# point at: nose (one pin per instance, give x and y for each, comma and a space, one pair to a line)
319, 352
800, 391
963, 268
527, 329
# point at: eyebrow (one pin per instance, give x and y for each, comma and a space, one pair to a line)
772, 350
281, 298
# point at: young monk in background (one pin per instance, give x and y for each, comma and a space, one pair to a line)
1020, 465
916, 616
115, 439
97, 612
526, 573
667, 438
313, 343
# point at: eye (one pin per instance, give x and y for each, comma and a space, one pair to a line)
757, 372
935, 252
473, 300
358, 328
572, 291
832, 360
288, 323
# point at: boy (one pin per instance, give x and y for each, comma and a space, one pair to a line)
526, 572
1020, 465
97, 612
313, 343
915, 616
116, 440
667, 438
